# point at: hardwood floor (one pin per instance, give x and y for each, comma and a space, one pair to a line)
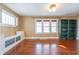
45, 47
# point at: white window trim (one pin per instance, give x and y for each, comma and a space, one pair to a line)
56, 25
50, 26
35, 26
9, 13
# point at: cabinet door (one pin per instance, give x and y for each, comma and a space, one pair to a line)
72, 29
64, 29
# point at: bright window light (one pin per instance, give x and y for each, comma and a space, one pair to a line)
53, 26
39, 27
46, 26
8, 19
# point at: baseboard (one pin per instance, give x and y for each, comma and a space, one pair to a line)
41, 37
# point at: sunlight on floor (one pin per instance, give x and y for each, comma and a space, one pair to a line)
62, 46
46, 48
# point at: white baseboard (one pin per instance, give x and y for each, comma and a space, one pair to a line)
44, 38
41, 37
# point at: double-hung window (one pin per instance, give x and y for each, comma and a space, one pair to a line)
38, 26
53, 25
46, 25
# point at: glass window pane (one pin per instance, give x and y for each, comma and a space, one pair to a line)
53, 26
46, 26
53, 29
39, 30
39, 23
46, 23
53, 23
12, 20
6, 19
9, 20
46, 29
38, 27
3, 18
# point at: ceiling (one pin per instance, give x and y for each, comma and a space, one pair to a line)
41, 9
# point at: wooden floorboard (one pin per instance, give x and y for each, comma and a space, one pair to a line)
45, 47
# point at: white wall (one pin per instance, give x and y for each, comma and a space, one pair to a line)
78, 29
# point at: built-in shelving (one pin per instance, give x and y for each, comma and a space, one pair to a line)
68, 28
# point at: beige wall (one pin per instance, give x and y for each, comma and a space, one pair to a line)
27, 24
7, 31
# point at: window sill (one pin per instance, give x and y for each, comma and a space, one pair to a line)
7, 25
48, 33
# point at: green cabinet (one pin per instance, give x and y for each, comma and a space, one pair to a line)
68, 28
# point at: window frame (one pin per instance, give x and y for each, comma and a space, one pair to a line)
36, 28
49, 26
54, 26
43, 25
9, 15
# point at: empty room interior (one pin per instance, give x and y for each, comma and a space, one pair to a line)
39, 28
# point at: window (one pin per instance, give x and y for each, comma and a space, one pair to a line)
39, 26
53, 26
46, 26
8, 19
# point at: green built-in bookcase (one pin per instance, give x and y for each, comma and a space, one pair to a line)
68, 28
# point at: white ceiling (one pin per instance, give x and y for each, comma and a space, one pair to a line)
41, 9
